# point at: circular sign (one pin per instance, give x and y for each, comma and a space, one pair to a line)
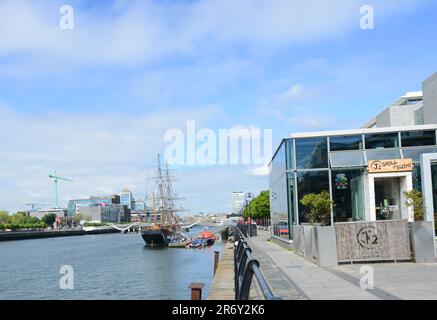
249, 196
367, 237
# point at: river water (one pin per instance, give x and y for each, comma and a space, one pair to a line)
110, 266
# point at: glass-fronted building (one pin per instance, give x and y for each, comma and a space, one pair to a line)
338, 162
74, 205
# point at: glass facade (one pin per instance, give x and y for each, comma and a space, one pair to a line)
337, 164
434, 186
278, 194
418, 138
347, 194
382, 140
311, 153
310, 182
341, 143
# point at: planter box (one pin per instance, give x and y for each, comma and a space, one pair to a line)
316, 244
422, 241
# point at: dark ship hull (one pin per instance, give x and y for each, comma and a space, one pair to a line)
155, 238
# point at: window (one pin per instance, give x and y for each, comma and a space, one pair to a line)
348, 194
417, 178
346, 143
291, 201
278, 205
382, 140
434, 185
341, 159
383, 154
311, 153
310, 182
289, 153
418, 138
414, 153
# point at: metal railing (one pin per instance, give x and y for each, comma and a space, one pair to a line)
245, 267
248, 230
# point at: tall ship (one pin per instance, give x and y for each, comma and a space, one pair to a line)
164, 229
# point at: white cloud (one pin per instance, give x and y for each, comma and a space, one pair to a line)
102, 153
127, 34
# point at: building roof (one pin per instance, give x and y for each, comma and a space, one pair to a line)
363, 130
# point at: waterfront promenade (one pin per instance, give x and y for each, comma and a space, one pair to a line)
292, 277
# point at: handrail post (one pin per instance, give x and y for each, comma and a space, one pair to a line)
196, 290
216, 260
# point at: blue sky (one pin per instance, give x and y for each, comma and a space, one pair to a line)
95, 102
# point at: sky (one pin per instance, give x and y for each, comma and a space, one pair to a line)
95, 102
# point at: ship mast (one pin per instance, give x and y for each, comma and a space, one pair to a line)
165, 196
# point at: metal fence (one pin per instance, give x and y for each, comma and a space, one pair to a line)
248, 230
245, 267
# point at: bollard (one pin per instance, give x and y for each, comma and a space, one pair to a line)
216, 260
196, 290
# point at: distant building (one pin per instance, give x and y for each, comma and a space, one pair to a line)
413, 108
238, 202
42, 212
74, 205
139, 205
127, 199
99, 214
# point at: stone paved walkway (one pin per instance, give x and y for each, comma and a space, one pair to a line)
304, 279
293, 277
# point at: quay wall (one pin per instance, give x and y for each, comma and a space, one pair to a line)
27, 235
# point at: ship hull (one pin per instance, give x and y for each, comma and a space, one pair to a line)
154, 238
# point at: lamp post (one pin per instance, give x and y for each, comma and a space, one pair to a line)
249, 198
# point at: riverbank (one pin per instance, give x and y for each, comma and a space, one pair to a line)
27, 235
223, 284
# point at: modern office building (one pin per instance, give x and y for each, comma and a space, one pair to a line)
413, 108
115, 213
74, 205
238, 202
139, 205
366, 171
127, 199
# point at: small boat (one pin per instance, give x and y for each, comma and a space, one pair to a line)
208, 236
179, 240
197, 243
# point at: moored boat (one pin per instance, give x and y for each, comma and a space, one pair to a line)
154, 236
208, 236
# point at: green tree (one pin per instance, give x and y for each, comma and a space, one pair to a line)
415, 201
4, 216
320, 207
18, 218
49, 219
78, 217
259, 206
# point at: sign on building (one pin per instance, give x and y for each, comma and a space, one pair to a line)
395, 165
